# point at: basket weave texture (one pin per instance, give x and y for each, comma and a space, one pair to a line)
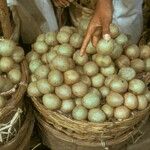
16, 95
57, 140
22, 140
101, 132
16, 122
106, 134
82, 135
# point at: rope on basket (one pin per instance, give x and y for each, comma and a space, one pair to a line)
23, 83
8, 130
9, 92
13, 90
36, 146
104, 145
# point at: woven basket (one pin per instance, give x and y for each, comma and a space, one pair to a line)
16, 95
108, 133
15, 130
57, 140
77, 12
90, 131
22, 140
14, 103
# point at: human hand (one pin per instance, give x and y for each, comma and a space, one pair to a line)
61, 3
99, 24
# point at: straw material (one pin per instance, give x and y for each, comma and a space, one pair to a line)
63, 133
16, 98
9, 129
57, 140
11, 116
22, 140
87, 130
107, 133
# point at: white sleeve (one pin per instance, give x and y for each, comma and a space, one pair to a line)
46, 9
36, 17
128, 16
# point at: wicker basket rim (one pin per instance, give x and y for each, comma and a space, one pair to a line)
43, 110
64, 137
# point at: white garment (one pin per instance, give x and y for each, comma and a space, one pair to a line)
46, 9
37, 16
128, 16
11, 2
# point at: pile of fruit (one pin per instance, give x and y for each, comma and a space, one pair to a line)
98, 86
10, 72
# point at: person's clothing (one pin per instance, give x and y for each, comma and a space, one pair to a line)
128, 16
38, 16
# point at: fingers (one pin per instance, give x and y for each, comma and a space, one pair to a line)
105, 26
106, 37
105, 13
96, 36
90, 31
95, 40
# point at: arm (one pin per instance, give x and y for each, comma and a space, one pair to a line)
101, 19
